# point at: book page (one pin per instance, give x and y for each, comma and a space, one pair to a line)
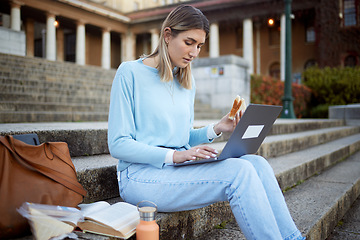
46, 227
91, 208
68, 215
121, 216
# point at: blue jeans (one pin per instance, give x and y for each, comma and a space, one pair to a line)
248, 183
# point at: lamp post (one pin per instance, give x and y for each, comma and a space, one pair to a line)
288, 109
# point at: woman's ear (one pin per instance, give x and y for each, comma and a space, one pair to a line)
167, 34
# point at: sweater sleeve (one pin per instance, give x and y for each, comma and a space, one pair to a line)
121, 125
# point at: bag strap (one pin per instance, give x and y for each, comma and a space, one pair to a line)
50, 173
48, 152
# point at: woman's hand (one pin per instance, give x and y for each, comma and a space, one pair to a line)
194, 153
226, 124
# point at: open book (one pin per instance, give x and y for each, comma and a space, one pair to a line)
117, 220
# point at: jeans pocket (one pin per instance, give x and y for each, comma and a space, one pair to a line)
133, 169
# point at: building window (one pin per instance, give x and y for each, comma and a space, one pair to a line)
350, 61
274, 70
239, 38
38, 48
5, 20
310, 63
350, 12
70, 45
310, 34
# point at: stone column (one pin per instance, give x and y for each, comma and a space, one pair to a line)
248, 47
282, 47
154, 39
214, 40
60, 44
50, 37
80, 43
128, 44
105, 53
15, 15
30, 31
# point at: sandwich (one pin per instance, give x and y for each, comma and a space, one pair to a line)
238, 105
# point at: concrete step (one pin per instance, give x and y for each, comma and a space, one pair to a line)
317, 205
97, 173
283, 126
37, 117
50, 88
276, 145
51, 107
212, 114
205, 111
290, 169
83, 138
90, 138
88, 97
35, 75
349, 227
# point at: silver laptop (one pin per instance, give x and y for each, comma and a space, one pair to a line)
248, 135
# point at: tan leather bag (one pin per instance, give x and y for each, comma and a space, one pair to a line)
39, 174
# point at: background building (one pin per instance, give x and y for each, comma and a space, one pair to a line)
65, 52
106, 32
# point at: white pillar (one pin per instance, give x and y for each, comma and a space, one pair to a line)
282, 47
128, 46
80, 43
154, 39
15, 16
105, 53
248, 48
50, 37
214, 40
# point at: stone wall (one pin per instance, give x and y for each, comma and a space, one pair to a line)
219, 80
349, 113
12, 42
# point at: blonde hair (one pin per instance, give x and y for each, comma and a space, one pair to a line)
182, 18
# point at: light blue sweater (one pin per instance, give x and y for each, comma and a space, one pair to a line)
147, 116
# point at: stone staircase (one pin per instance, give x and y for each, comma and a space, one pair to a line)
316, 162
205, 111
38, 90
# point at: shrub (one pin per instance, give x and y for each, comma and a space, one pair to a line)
333, 86
268, 90
319, 111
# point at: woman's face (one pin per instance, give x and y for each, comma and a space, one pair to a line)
185, 46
